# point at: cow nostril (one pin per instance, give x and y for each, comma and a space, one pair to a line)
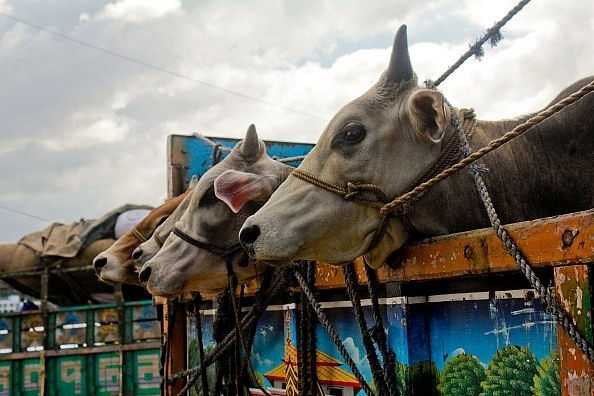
137, 254
144, 275
99, 262
248, 235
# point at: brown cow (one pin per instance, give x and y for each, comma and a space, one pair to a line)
387, 138
115, 264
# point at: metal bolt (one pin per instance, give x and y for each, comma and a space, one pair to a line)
568, 237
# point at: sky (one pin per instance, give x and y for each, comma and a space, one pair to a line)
91, 89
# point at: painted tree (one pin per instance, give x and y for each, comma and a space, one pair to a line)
402, 377
510, 372
462, 375
547, 381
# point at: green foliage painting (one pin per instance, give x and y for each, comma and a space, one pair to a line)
510, 372
547, 381
462, 375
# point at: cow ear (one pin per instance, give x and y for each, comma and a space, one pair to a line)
236, 188
428, 114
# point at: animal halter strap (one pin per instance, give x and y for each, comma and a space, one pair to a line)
141, 238
400, 206
223, 251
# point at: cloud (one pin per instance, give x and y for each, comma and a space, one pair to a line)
84, 127
138, 11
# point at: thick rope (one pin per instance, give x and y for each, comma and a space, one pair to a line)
510, 246
493, 34
308, 381
408, 198
323, 319
195, 311
376, 368
280, 281
378, 334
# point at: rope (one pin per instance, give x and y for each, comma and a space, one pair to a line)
493, 34
406, 199
280, 281
376, 368
352, 191
323, 319
196, 313
307, 335
510, 246
378, 334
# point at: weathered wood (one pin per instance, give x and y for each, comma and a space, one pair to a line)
572, 288
550, 242
174, 335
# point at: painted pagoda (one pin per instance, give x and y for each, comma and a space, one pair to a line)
332, 380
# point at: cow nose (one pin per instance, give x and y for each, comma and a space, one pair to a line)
99, 262
144, 275
248, 235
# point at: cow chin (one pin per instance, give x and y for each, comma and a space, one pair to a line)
394, 237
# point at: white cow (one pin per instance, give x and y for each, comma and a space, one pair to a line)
376, 147
204, 245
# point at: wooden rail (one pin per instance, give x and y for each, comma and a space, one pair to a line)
551, 242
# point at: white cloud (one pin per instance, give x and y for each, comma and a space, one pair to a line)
137, 11
88, 134
76, 111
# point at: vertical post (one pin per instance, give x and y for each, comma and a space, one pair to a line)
46, 328
119, 298
572, 288
174, 338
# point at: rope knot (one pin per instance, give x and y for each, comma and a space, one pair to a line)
354, 191
467, 114
399, 206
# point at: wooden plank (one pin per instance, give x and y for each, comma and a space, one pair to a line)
550, 242
174, 333
572, 289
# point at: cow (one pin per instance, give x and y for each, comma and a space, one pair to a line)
379, 145
116, 264
203, 249
148, 248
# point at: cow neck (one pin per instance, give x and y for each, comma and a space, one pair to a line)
353, 191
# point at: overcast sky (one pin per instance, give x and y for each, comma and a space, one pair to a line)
91, 89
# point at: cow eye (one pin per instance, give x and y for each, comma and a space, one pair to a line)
208, 197
350, 134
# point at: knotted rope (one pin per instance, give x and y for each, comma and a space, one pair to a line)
511, 247
280, 281
376, 368
408, 198
323, 319
493, 35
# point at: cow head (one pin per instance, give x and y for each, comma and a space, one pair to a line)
386, 137
116, 265
149, 248
196, 256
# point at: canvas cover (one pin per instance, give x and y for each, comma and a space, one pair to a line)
66, 240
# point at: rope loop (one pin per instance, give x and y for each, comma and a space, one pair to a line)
355, 189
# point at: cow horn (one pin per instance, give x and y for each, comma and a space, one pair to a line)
251, 143
400, 68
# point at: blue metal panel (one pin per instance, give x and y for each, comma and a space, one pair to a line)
193, 156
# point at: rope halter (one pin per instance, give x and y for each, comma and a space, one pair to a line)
401, 205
